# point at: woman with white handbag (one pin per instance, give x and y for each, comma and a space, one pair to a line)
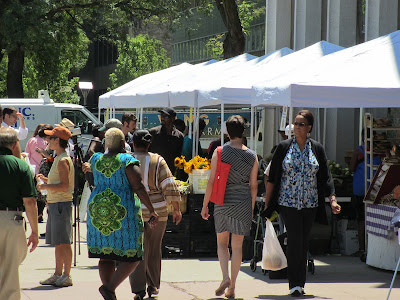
298, 180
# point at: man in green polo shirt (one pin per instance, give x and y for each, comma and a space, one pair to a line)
18, 192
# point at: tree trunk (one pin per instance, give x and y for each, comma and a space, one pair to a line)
234, 42
14, 73
360, 22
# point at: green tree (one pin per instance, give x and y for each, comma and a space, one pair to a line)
40, 39
138, 56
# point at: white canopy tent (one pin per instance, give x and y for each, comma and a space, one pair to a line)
237, 87
365, 75
106, 99
220, 72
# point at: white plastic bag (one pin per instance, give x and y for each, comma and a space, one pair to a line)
84, 202
273, 257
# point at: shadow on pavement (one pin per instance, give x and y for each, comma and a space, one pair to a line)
41, 288
335, 269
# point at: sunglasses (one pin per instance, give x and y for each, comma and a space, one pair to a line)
302, 124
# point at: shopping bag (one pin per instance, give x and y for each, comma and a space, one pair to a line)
84, 202
273, 257
221, 177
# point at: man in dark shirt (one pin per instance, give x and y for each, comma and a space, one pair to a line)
17, 192
167, 140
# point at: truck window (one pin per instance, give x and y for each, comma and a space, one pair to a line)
78, 118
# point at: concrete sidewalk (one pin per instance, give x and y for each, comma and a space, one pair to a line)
336, 277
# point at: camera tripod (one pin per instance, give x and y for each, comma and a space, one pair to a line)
78, 160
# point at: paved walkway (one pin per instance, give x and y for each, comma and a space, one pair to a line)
335, 277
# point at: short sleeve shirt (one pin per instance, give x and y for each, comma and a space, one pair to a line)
16, 181
299, 178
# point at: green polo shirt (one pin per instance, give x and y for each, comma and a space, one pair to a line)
16, 181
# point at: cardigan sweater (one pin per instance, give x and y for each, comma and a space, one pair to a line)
325, 184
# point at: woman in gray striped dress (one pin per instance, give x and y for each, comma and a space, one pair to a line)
235, 215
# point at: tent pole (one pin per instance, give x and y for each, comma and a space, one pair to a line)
360, 128
141, 118
222, 121
192, 130
319, 125
324, 137
99, 113
290, 120
196, 135
252, 128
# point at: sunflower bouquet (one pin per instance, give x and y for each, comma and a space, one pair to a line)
196, 163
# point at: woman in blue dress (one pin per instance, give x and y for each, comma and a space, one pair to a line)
115, 225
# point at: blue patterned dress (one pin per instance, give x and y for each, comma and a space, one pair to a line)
114, 222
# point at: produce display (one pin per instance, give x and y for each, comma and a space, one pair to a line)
337, 170
342, 178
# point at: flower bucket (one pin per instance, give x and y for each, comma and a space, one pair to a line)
199, 179
182, 205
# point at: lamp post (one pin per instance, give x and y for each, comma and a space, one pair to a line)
85, 88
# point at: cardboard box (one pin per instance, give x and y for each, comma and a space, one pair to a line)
348, 242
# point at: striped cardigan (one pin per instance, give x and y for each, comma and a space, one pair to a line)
159, 184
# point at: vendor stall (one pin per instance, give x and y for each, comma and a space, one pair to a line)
363, 76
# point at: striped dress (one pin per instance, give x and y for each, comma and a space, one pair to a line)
235, 214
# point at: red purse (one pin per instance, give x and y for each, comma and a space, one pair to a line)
221, 177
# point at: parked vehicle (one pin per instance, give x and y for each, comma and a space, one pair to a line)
45, 110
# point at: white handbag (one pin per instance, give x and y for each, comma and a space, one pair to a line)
84, 202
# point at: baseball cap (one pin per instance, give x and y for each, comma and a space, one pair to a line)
287, 129
168, 111
111, 123
60, 132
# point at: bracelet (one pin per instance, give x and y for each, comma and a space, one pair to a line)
332, 199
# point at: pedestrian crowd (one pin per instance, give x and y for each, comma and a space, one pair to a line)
130, 173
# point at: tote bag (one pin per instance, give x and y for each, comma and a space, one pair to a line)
221, 177
273, 257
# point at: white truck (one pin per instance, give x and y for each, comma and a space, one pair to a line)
44, 110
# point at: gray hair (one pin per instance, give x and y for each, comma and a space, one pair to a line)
113, 138
8, 136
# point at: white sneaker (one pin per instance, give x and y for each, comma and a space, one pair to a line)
297, 291
64, 281
51, 280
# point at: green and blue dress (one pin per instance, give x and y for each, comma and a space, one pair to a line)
114, 222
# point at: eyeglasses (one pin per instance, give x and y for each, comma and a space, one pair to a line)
302, 124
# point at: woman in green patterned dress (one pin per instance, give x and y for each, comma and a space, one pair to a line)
115, 225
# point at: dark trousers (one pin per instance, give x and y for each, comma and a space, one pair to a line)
298, 226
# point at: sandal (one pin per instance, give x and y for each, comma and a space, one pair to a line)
222, 287
230, 293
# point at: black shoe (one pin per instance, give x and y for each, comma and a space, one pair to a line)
43, 235
107, 294
151, 290
40, 219
139, 295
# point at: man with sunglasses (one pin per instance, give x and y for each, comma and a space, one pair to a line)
10, 117
167, 140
